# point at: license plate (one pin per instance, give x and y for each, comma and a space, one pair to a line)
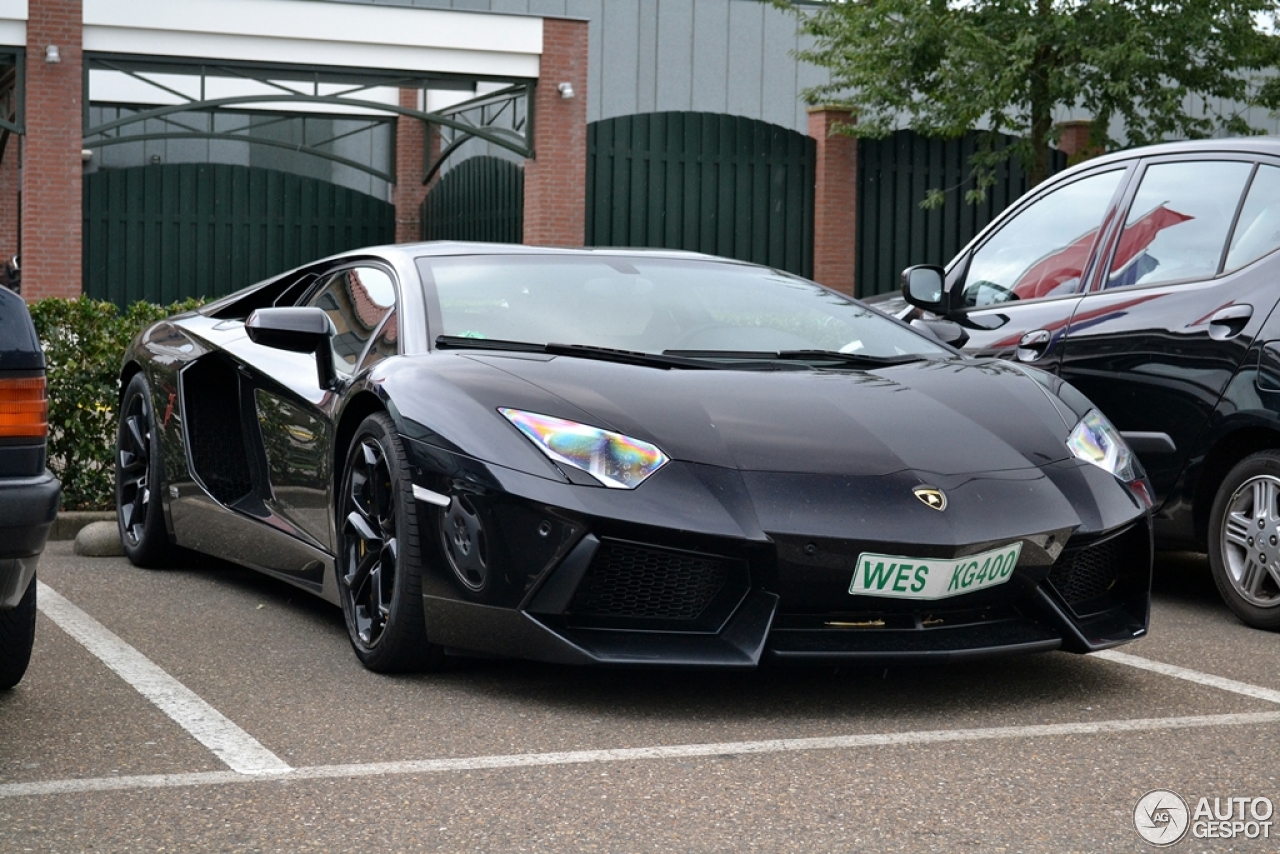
899, 577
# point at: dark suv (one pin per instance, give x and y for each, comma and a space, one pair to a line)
1148, 279
28, 493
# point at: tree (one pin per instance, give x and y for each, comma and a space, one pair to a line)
945, 67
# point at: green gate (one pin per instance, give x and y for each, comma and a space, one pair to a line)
170, 231
894, 174
707, 182
482, 198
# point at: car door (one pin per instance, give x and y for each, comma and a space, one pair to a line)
1178, 303
1015, 290
294, 415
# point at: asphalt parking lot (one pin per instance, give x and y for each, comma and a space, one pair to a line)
207, 708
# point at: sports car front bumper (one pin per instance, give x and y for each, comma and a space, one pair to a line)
705, 566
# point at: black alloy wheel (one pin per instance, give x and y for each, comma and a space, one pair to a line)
138, 479
1244, 540
380, 555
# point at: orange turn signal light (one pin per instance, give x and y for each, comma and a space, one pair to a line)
24, 408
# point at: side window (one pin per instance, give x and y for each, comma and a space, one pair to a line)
1258, 231
1044, 249
356, 300
1178, 222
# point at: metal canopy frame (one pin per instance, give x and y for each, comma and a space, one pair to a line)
13, 88
506, 113
503, 118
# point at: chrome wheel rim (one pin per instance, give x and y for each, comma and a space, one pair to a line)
370, 542
133, 458
1251, 541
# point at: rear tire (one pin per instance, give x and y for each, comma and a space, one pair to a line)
17, 636
139, 476
1244, 540
379, 564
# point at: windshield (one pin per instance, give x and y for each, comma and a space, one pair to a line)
652, 305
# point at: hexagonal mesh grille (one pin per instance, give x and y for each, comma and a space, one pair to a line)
1087, 573
626, 580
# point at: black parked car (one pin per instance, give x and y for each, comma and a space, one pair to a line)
1148, 279
28, 493
628, 457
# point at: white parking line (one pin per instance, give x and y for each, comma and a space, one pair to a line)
632, 754
1255, 691
239, 750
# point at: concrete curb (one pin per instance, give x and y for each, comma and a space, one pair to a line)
69, 522
99, 539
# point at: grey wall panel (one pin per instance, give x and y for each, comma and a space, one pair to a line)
746, 51
674, 55
592, 10
551, 8
778, 83
619, 58
518, 7
710, 56
806, 76
722, 56
647, 73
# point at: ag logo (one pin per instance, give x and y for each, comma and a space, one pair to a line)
1161, 817
932, 496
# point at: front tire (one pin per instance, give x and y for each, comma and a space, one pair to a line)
380, 554
1244, 540
139, 474
17, 636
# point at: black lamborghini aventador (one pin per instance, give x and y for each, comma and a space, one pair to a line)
627, 457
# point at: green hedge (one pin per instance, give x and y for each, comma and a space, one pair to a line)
84, 342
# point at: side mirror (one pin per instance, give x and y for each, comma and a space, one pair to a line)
300, 330
924, 287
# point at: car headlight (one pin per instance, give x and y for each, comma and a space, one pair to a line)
1095, 440
617, 461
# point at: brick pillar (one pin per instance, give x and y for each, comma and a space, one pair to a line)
1073, 140
409, 190
835, 199
555, 179
51, 165
435, 144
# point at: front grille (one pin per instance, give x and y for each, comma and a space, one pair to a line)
1088, 573
635, 581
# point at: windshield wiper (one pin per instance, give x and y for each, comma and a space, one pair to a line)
809, 356
462, 342
583, 351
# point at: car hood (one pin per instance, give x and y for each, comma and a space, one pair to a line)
943, 416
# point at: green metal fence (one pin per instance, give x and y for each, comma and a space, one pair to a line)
169, 231
482, 198
894, 175
707, 182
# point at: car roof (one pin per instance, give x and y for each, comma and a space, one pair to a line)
443, 248
1230, 145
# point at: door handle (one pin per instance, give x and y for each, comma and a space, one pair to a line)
1033, 345
1229, 322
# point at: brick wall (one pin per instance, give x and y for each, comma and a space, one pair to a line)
555, 179
408, 192
51, 167
1073, 139
835, 199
